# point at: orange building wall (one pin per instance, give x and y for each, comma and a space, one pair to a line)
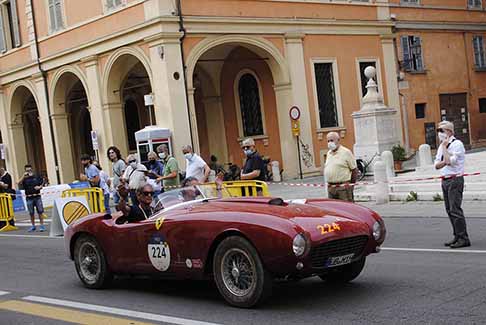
229, 72
449, 64
24, 34
79, 11
346, 49
15, 58
259, 8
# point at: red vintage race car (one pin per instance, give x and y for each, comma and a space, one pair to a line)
241, 243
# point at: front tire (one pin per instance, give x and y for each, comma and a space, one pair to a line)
345, 273
239, 273
90, 262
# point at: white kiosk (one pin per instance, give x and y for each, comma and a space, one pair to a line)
149, 138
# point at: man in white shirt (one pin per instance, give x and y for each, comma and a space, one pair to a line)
135, 177
450, 160
195, 166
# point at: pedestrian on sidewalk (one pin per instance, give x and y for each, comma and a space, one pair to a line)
254, 167
32, 185
118, 168
450, 160
170, 179
340, 169
6, 183
105, 185
135, 177
195, 166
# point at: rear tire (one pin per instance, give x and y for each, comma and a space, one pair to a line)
345, 273
239, 273
90, 262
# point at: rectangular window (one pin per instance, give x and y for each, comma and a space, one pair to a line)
482, 105
479, 57
413, 2
113, 4
419, 111
326, 95
55, 15
364, 81
9, 25
412, 59
474, 4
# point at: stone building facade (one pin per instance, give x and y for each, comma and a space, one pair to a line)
221, 70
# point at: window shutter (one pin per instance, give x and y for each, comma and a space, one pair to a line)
3, 46
110, 4
477, 55
406, 53
419, 61
52, 15
482, 62
15, 23
58, 10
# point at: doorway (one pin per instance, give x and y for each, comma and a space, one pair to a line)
453, 108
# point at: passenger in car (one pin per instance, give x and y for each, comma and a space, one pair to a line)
138, 212
190, 191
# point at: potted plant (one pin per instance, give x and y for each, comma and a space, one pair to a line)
399, 155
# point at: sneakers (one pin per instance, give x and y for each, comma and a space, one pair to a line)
31, 229
42, 228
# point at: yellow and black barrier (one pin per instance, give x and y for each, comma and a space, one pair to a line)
246, 188
7, 218
93, 195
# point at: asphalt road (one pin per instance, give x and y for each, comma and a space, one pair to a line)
414, 280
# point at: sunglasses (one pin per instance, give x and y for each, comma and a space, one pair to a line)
147, 193
131, 161
440, 130
246, 147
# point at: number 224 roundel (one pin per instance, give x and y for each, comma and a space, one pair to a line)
159, 252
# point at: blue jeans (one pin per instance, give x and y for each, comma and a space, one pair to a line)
116, 197
107, 203
35, 202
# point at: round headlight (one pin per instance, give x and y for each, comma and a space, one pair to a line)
377, 230
299, 245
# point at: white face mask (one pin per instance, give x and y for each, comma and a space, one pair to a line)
442, 136
133, 165
331, 145
188, 156
162, 155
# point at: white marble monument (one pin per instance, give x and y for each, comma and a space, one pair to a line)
375, 123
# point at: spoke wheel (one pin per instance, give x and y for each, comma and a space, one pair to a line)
239, 273
90, 263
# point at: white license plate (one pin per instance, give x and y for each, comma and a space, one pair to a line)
339, 260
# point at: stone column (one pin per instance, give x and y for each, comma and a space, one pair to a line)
44, 117
288, 143
16, 152
193, 120
295, 55
116, 133
382, 191
60, 123
10, 162
216, 129
96, 108
168, 86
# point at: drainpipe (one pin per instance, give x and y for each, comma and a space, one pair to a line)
46, 92
183, 30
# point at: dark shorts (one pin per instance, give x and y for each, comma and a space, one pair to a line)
35, 202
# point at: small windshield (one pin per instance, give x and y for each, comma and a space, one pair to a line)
189, 193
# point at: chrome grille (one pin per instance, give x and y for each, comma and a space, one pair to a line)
339, 247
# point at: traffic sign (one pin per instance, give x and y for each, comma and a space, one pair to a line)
294, 113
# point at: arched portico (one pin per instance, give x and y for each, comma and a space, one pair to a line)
27, 146
71, 116
127, 77
220, 61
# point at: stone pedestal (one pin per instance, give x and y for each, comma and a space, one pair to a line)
375, 123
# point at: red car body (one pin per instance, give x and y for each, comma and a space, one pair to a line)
194, 229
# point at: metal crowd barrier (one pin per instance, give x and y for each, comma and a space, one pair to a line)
7, 217
93, 195
246, 188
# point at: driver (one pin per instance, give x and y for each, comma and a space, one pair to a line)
190, 191
138, 212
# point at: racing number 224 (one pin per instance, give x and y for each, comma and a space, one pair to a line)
157, 252
327, 228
